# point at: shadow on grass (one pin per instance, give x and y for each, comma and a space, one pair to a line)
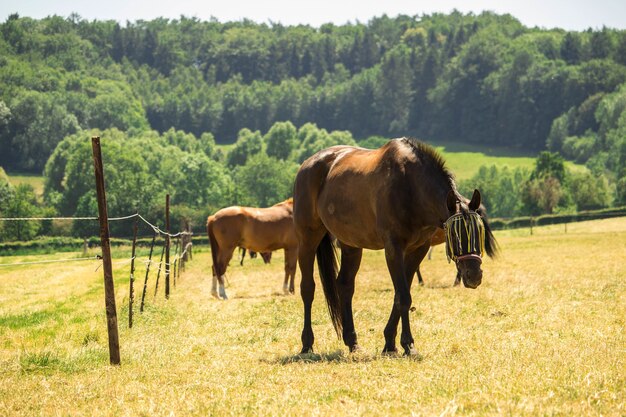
438, 286
340, 356
259, 296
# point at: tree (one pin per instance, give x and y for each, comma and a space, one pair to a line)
541, 195
38, 124
571, 48
264, 181
281, 140
248, 143
393, 93
22, 203
6, 195
549, 164
115, 105
588, 191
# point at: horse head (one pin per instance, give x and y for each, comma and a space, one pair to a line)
465, 238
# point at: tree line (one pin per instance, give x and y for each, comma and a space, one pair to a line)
474, 78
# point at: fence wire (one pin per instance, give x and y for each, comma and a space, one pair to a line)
156, 229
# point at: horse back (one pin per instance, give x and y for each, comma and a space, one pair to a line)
361, 196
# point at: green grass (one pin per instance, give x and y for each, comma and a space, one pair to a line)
464, 160
543, 335
36, 181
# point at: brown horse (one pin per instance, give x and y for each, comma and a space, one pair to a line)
439, 237
258, 229
392, 198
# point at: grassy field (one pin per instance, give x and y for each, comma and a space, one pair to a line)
543, 335
464, 160
36, 181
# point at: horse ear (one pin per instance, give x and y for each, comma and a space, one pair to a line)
475, 203
451, 201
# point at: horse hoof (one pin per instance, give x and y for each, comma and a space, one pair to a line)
356, 349
215, 294
306, 349
223, 295
390, 352
411, 352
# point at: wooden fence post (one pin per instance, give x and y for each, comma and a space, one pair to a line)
176, 259
186, 240
167, 246
109, 287
145, 281
131, 286
156, 286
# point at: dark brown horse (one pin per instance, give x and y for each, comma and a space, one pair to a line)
439, 237
392, 198
258, 229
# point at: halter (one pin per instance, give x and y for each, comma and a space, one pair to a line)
475, 232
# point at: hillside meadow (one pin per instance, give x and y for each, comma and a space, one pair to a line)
543, 335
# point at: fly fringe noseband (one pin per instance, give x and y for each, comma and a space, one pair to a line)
465, 237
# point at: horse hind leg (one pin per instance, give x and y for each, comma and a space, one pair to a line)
291, 260
306, 259
214, 292
217, 286
411, 265
220, 271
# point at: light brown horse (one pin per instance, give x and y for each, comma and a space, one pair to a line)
257, 229
392, 198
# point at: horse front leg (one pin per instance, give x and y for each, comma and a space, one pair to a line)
457, 280
350, 262
411, 263
402, 294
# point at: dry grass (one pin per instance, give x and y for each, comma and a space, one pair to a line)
543, 335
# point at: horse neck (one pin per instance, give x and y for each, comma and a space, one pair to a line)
436, 190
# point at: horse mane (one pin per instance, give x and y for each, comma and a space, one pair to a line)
287, 201
431, 156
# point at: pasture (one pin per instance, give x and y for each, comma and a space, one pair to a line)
465, 160
542, 335
36, 181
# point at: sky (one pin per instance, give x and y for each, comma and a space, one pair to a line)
567, 14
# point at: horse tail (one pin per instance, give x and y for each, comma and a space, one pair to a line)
327, 265
214, 246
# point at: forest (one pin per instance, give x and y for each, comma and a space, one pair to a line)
223, 113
